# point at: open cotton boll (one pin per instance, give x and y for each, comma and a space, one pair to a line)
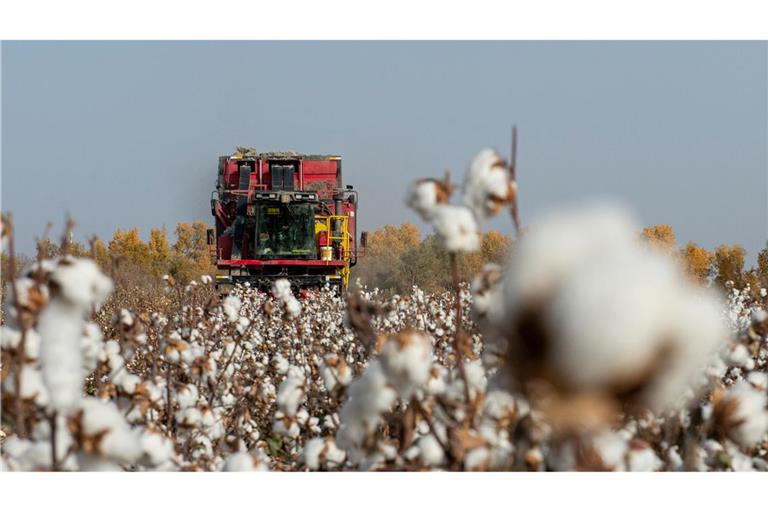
335, 372
456, 228
406, 359
758, 380
322, 453
243, 461
488, 184
32, 385
369, 397
641, 457
612, 314
740, 414
290, 394
61, 326
424, 195
430, 450
292, 307
114, 437
187, 396
91, 346
555, 248
231, 307
281, 289
608, 322
157, 448
612, 448
81, 282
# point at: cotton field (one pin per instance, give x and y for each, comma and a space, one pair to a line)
587, 350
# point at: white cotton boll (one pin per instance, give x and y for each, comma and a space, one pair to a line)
698, 333
499, 405
319, 453
116, 365
422, 197
187, 396
406, 359
13, 454
127, 382
609, 319
290, 394
190, 417
477, 459
157, 448
676, 462
293, 307
281, 289
126, 318
25, 296
81, 282
612, 448
120, 443
243, 461
486, 290
739, 356
32, 385
91, 347
302, 416
456, 228
369, 397
60, 326
311, 452
431, 452
557, 246
744, 418
476, 377
613, 308
758, 380
231, 306
436, 384
334, 372
281, 364
9, 337
643, 458
285, 425
267, 391
111, 347
487, 184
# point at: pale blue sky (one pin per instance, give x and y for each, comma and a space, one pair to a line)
128, 133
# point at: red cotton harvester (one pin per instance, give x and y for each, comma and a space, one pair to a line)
283, 215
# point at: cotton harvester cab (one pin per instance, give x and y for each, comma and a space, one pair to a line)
283, 215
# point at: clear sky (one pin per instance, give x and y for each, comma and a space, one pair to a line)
128, 133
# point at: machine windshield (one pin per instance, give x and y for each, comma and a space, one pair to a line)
285, 230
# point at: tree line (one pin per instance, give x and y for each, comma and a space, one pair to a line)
397, 257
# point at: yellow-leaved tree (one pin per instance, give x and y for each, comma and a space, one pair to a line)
190, 258
697, 261
661, 236
729, 265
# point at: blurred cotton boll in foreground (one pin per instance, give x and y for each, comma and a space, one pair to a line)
76, 285
456, 228
588, 309
422, 197
488, 185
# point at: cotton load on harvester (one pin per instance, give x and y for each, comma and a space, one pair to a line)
283, 215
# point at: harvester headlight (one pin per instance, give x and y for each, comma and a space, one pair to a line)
273, 196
